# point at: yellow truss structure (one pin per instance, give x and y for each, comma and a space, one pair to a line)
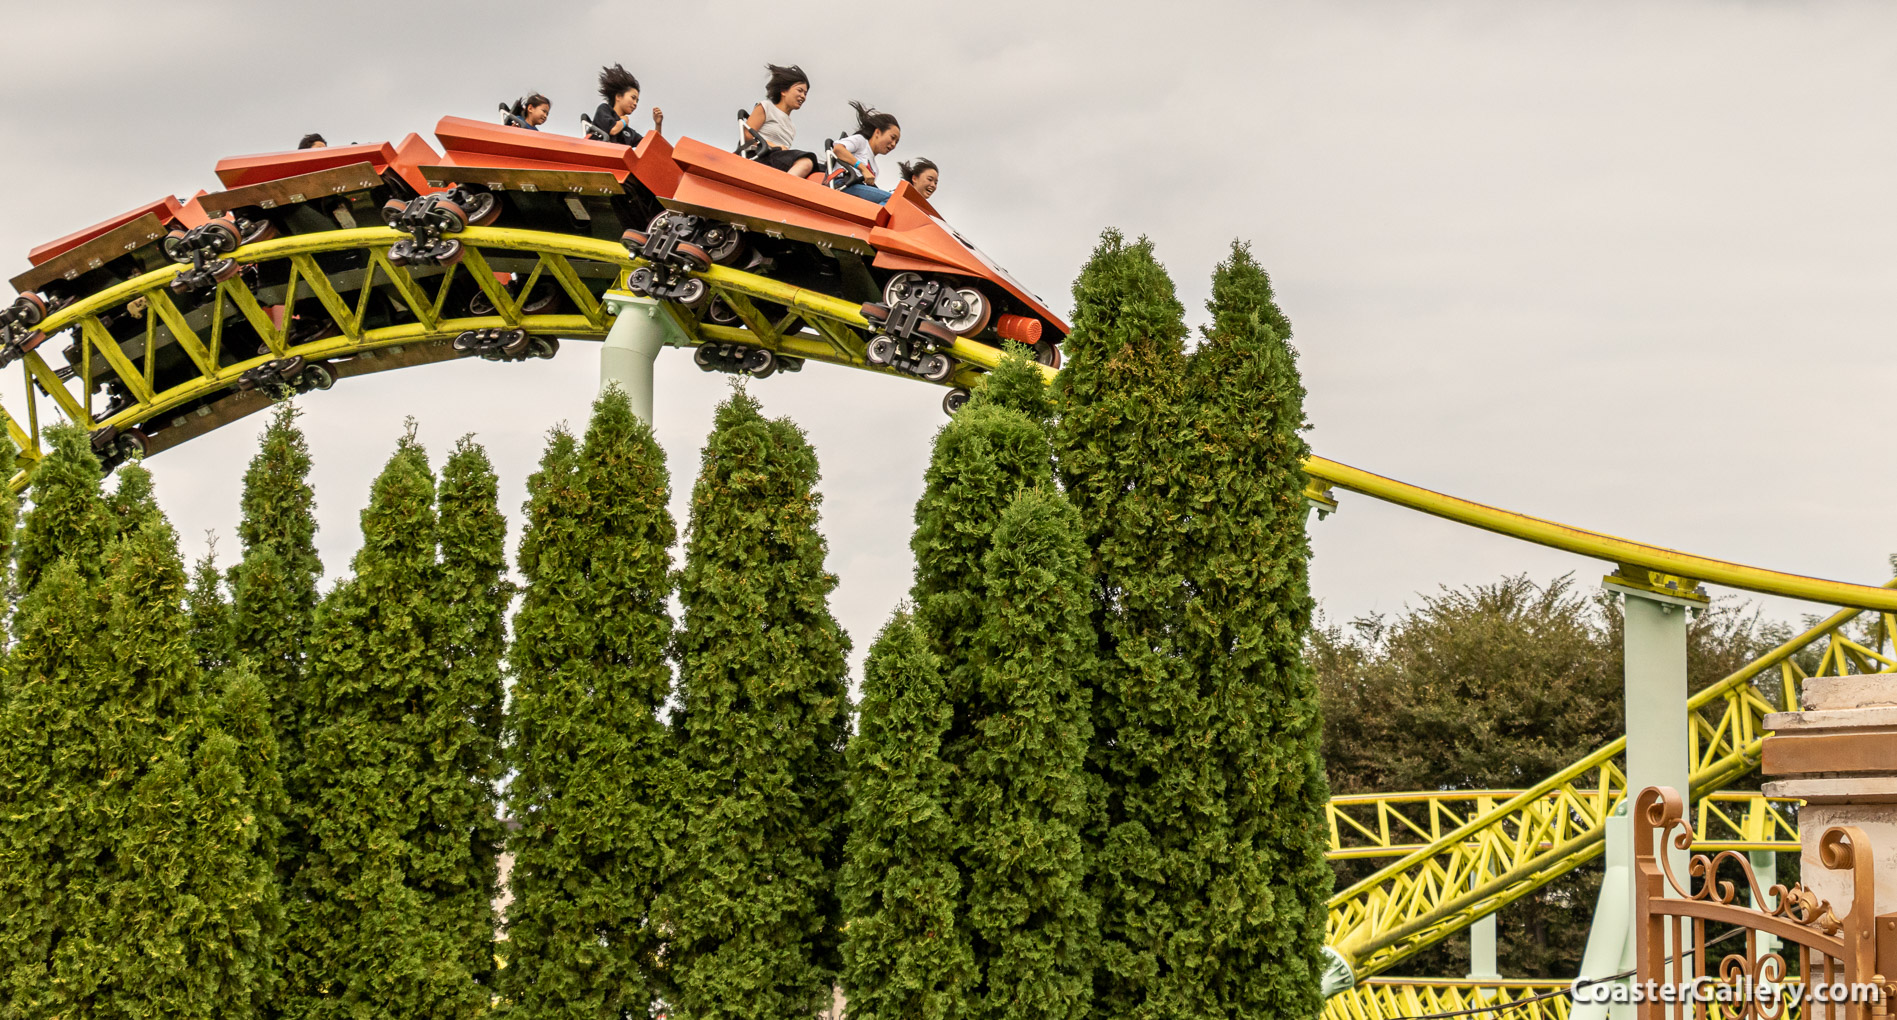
1398, 998
1458, 856
818, 327
1367, 826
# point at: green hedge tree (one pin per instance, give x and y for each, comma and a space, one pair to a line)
1234, 886
134, 879
905, 948
1022, 789
68, 517
462, 833
751, 905
273, 587
372, 933
593, 763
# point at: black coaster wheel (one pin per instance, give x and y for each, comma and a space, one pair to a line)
223, 269
393, 210
635, 240
880, 351
1047, 352
693, 291
721, 313
173, 247
28, 310
935, 367
640, 279
483, 209
936, 333
541, 299
966, 311
132, 444
448, 252
701, 356
760, 362
899, 285
543, 347
402, 252
318, 376
953, 400
479, 305
515, 342
699, 257
723, 243
259, 229
222, 236
455, 217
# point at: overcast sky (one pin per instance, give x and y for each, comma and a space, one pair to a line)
1625, 265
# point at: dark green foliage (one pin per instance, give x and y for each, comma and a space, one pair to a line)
905, 952
461, 830
133, 885
1495, 686
1016, 383
592, 760
69, 517
370, 925
132, 503
274, 587
210, 614
1021, 798
983, 457
51, 850
1186, 472
751, 905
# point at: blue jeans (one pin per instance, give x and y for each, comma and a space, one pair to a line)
874, 194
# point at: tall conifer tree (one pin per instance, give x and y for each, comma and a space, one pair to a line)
1118, 448
591, 757
751, 908
373, 937
1022, 798
464, 826
273, 587
68, 517
138, 888
1260, 840
905, 948
210, 614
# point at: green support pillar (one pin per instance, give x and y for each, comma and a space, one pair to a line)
641, 328
1654, 609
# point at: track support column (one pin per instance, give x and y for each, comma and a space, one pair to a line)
1654, 610
641, 328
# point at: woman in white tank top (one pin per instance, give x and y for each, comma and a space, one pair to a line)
787, 90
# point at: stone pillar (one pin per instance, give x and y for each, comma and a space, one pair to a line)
1840, 756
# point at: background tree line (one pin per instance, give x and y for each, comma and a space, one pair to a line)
1084, 780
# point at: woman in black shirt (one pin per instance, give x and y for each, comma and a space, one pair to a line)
621, 91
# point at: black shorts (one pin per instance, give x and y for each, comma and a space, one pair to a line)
784, 159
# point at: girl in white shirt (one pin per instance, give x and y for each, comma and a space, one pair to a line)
876, 135
786, 91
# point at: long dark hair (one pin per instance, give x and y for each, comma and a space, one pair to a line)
615, 80
913, 168
527, 102
870, 120
782, 79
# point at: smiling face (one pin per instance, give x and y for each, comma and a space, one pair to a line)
793, 97
925, 182
884, 142
626, 102
537, 115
